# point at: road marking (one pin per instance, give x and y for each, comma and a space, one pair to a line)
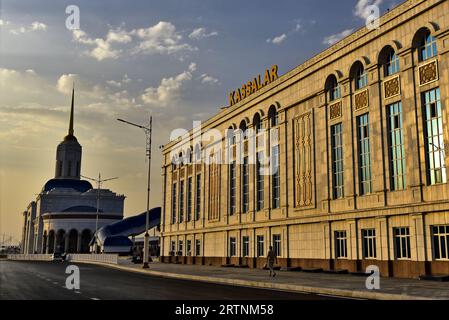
94, 299
77, 292
55, 283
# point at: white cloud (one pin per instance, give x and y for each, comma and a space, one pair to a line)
35, 26
361, 9
207, 79
103, 47
169, 90
66, 81
201, 33
281, 38
332, 39
118, 84
278, 39
161, 38
38, 26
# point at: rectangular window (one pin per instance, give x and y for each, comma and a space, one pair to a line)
440, 235
396, 146
232, 247
277, 245
362, 79
180, 247
429, 48
245, 246
173, 247
275, 178
189, 247
341, 244
363, 137
232, 188
245, 185
259, 182
402, 243
173, 204
369, 243
198, 247
189, 199
181, 202
337, 161
260, 246
198, 197
434, 141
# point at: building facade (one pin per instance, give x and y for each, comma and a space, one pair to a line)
63, 218
359, 160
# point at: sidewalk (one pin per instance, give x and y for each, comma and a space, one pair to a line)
318, 283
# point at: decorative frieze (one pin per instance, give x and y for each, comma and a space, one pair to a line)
361, 100
428, 72
335, 110
392, 87
303, 126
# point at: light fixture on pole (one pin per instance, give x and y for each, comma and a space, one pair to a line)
99, 182
148, 133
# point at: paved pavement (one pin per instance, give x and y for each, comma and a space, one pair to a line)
332, 284
46, 280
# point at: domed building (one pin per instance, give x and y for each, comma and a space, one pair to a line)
63, 218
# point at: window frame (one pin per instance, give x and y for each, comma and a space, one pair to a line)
396, 147
369, 244
402, 243
337, 156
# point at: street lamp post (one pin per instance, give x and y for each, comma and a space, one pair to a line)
148, 134
99, 182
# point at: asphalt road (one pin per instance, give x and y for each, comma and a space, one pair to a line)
46, 280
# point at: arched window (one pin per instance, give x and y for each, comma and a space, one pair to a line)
392, 63
361, 78
198, 153
189, 155
231, 136
333, 89
243, 128
257, 123
427, 47
273, 116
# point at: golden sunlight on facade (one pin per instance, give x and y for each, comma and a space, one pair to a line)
360, 163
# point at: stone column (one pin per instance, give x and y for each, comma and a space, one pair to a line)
78, 243
412, 116
66, 242
47, 245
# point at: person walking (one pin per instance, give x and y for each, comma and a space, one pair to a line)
271, 259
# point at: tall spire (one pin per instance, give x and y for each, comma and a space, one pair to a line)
71, 111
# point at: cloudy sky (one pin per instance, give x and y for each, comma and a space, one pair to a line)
175, 59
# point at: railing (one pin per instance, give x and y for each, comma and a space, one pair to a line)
30, 257
104, 258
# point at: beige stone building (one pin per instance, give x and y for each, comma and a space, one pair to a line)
360, 164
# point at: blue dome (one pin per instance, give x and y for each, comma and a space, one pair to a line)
82, 209
78, 185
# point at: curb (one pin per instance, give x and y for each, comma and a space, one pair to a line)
266, 285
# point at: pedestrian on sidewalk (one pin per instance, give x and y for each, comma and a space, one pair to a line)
271, 259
